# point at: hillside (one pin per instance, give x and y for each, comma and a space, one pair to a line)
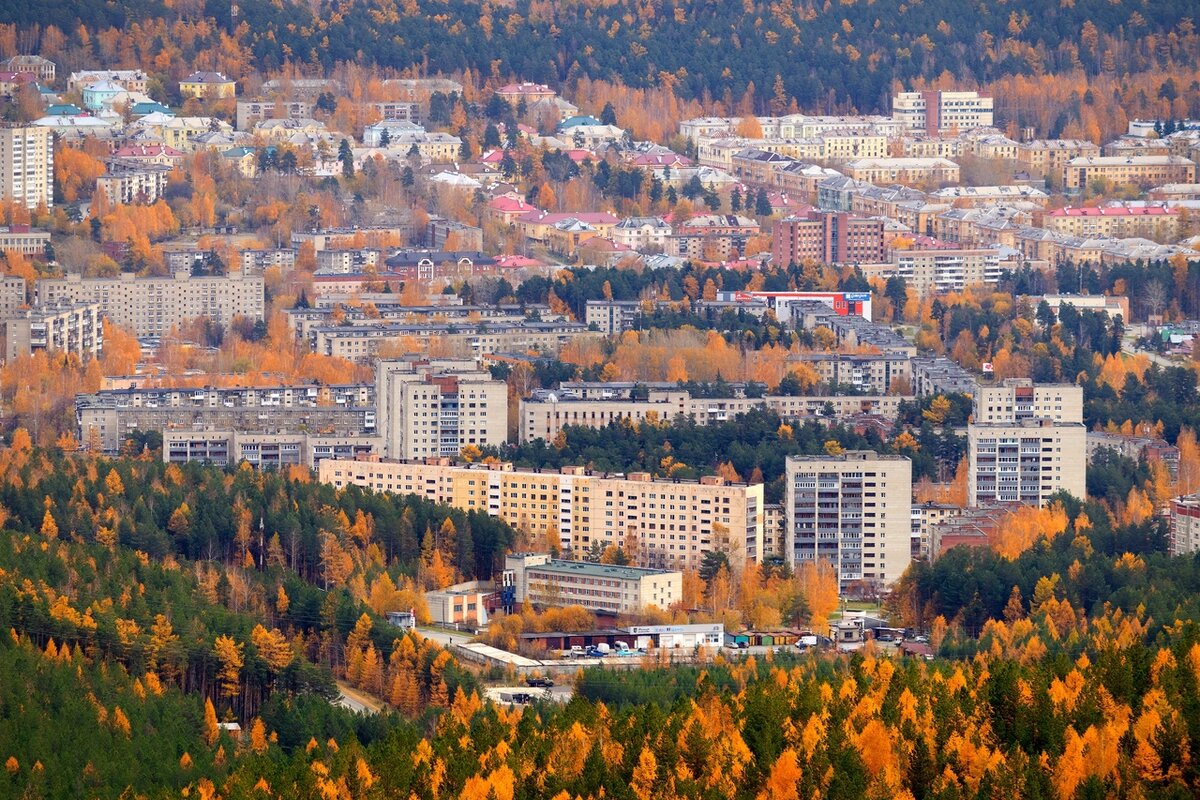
835, 56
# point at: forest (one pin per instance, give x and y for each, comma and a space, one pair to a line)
777, 57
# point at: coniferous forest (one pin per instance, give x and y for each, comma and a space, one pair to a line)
143, 605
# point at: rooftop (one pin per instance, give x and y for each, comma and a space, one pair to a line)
595, 570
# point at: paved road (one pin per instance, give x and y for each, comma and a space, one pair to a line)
444, 637
1127, 345
355, 700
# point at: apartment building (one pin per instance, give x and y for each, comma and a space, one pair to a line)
601, 588
108, 417
905, 171
131, 80
1183, 536
1020, 399
207, 86
946, 270
872, 373
361, 343
1159, 223
27, 166
934, 112
853, 510
940, 375
1079, 173
263, 450
153, 306
643, 234
1025, 461
545, 414
63, 327
250, 112
664, 524
1046, 157
438, 407
12, 294
43, 68
1110, 305
828, 238
20, 239
127, 181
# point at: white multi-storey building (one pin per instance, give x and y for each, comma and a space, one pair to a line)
936, 112
27, 166
437, 408
853, 510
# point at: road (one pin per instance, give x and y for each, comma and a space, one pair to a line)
1127, 346
444, 637
355, 700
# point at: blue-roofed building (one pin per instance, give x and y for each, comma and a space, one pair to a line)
64, 110
144, 108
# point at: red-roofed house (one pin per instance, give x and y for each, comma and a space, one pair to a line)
579, 155
507, 208
602, 251
517, 262
661, 160
492, 157
537, 225
529, 92
11, 82
150, 154
1156, 222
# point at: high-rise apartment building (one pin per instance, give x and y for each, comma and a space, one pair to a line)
853, 510
1025, 462
66, 328
1026, 442
438, 407
153, 306
665, 524
935, 112
827, 238
27, 166
1019, 399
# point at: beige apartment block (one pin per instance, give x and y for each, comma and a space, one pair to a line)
437, 408
664, 524
67, 328
1079, 173
935, 271
544, 418
853, 510
1026, 461
1019, 399
605, 588
27, 166
905, 171
153, 306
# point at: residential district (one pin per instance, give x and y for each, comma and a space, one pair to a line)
423, 247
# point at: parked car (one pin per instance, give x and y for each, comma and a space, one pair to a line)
539, 680
575, 652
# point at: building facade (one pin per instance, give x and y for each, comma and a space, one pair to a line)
153, 306
27, 166
604, 588
262, 450
829, 238
108, 417
1026, 461
664, 524
437, 408
1078, 173
935, 112
66, 328
853, 510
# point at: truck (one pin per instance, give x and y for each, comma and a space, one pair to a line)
806, 642
543, 681
575, 652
